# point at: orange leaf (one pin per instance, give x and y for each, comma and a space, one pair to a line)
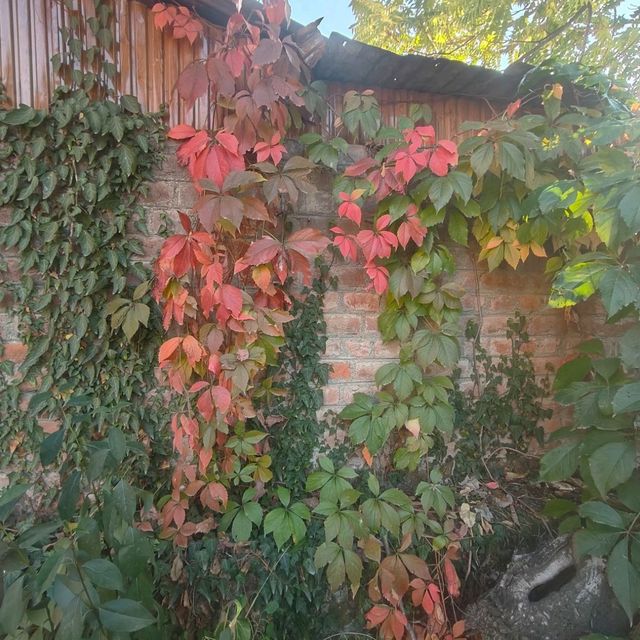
167, 348
181, 132
451, 578
458, 629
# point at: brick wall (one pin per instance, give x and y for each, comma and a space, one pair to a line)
354, 348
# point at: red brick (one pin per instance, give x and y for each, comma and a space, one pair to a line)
340, 371
334, 347
347, 391
351, 276
5, 215
357, 348
365, 370
160, 194
14, 351
331, 395
343, 323
362, 301
371, 322
186, 196
332, 301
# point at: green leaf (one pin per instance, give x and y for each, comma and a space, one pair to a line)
595, 541
630, 209
69, 496
103, 573
573, 371
124, 616
618, 290
630, 348
627, 398
458, 228
624, 579
611, 465
124, 498
128, 159
440, 192
601, 513
19, 116
559, 463
511, 159
482, 158
462, 185
13, 607
50, 447
130, 103
10, 497
241, 527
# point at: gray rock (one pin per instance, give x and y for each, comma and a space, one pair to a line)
549, 595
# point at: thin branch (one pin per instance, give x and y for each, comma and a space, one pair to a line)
551, 36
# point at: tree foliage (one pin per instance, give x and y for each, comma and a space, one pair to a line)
601, 34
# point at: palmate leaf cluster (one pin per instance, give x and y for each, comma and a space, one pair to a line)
72, 174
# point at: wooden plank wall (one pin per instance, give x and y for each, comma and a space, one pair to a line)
149, 61
448, 112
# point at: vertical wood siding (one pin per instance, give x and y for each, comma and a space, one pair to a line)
149, 61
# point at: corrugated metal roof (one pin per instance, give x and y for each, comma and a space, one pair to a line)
351, 62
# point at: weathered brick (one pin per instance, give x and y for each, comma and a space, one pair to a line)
159, 193
340, 370
185, 196
362, 301
332, 301
343, 323
365, 370
331, 395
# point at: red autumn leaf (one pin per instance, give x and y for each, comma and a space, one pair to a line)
231, 298
192, 83
215, 496
408, 162
204, 458
444, 155
267, 52
223, 158
346, 244
277, 11
221, 398
360, 168
181, 132
451, 578
167, 349
179, 515
394, 625
379, 276
458, 629
220, 76
378, 243
513, 108
349, 207
309, 242
411, 229
273, 149
193, 350
259, 252
377, 615
423, 136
